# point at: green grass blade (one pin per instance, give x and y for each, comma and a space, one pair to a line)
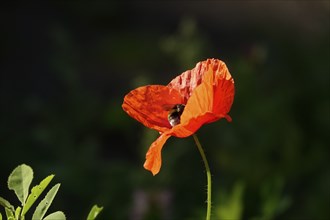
45, 203
19, 181
55, 215
6, 204
9, 214
95, 211
36, 192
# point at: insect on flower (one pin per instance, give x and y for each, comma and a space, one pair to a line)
174, 114
198, 96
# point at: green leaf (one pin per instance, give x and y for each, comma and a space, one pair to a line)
17, 212
55, 215
6, 204
19, 181
36, 192
45, 203
0, 216
94, 212
9, 214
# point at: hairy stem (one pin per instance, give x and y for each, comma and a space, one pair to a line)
208, 175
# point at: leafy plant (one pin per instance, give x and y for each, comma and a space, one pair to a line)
19, 181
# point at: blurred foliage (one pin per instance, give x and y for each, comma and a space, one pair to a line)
65, 68
230, 206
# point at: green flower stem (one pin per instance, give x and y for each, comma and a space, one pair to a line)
208, 174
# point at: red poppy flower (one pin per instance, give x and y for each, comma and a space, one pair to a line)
206, 92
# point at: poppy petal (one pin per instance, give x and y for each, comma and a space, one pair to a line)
210, 101
192, 125
154, 157
146, 105
224, 91
188, 81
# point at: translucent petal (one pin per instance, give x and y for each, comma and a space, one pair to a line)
188, 81
210, 101
148, 104
154, 157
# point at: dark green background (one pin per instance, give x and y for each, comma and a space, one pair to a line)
65, 68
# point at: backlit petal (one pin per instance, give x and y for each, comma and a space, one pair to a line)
188, 81
223, 90
154, 157
147, 105
193, 124
210, 101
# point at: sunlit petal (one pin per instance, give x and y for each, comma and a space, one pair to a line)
188, 81
210, 101
154, 157
146, 105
